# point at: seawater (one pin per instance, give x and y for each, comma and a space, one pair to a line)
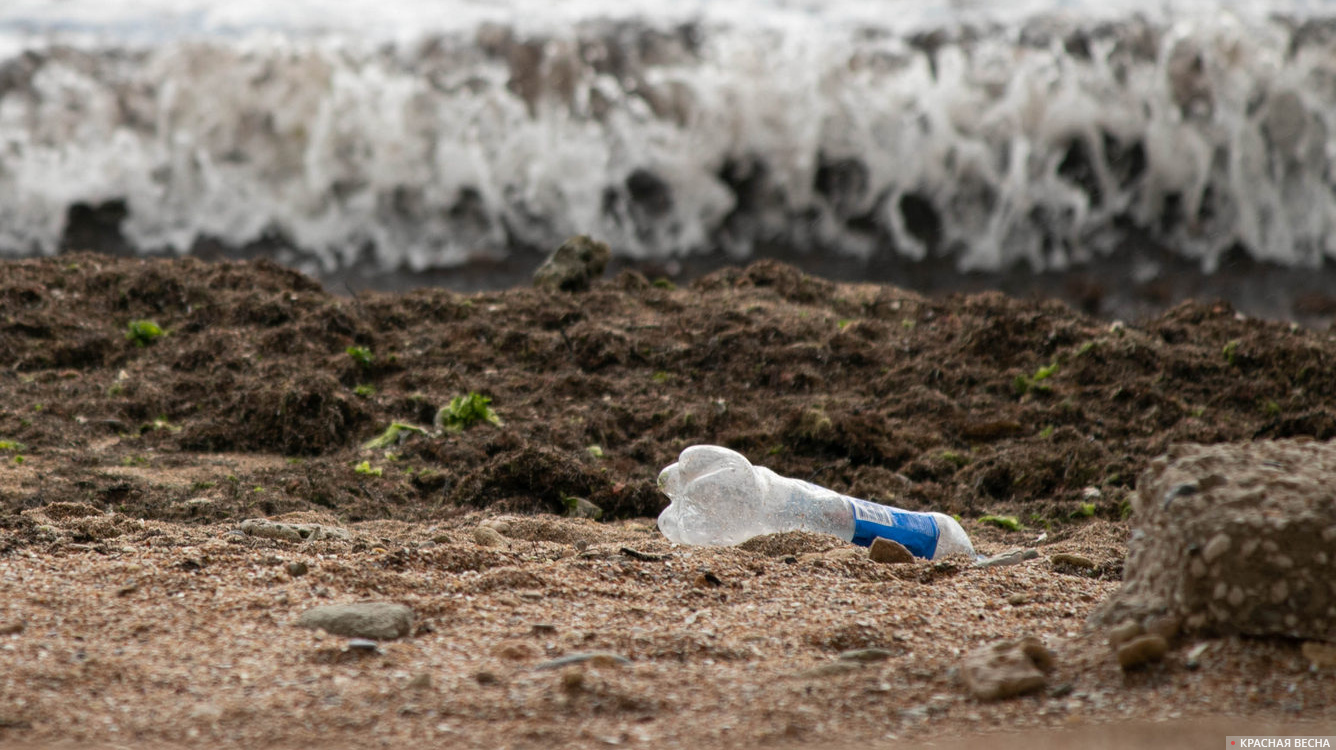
418, 136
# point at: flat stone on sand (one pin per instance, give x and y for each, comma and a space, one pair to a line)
382, 621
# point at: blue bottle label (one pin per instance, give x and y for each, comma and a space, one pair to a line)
916, 531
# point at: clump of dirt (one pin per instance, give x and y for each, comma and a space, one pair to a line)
968, 404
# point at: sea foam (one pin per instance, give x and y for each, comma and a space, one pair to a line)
415, 139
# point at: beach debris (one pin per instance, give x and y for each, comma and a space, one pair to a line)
1014, 557
594, 658
1193, 658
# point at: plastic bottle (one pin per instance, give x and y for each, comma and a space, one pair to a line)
719, 498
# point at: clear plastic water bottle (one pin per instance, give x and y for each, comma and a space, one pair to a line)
719, 498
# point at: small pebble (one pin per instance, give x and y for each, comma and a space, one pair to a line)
486, 536
420, 681
867, 655
298, 568
362, 644
1320, 655
572, 681
486, 678
1142, 650
1017, 599
1075, 561
1124, 632
544, 628
889, 552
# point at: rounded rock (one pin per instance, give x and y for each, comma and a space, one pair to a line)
382, 621
1142, 650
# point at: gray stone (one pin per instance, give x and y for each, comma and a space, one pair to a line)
291, 532
1246, 553
889, 552
382, 621
573, 265
1007, 669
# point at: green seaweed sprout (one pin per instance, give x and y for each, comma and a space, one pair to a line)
957, 459
1010, 523
361, 355
1230, 351
1023, 384
395, 434
11, 445
365, 469
1084, 510
466, 411
143, 332
364, 391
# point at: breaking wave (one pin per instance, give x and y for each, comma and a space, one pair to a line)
1037, 142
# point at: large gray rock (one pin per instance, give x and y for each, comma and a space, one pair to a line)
1233, 539
382, 621
573, 265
